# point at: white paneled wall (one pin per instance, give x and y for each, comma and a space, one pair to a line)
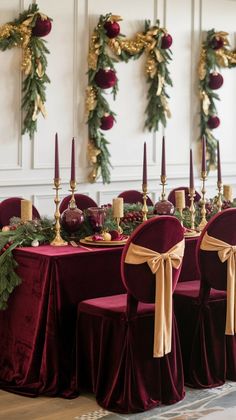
26, 166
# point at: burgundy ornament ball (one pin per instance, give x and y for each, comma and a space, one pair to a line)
105, 79
71, 219
112, 29
107, 122
217, 43
213, 122
215, 80
163, 207
166, 41
42, 27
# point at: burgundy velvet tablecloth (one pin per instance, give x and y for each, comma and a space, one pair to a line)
37, 331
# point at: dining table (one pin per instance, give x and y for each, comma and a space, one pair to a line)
37, 330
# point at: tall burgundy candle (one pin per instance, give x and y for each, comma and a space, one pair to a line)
203, 154
144, 164
218, 164
72, 177
56, 173
163, 158
191, 178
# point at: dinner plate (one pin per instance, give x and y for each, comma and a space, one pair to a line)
89, 241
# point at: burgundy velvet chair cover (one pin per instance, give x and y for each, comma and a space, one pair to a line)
171, 196
115, 334
209, 356
133, 196
11, 207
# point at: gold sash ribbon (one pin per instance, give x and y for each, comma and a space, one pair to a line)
226, 252
160, 265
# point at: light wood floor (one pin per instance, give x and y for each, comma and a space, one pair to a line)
15, 407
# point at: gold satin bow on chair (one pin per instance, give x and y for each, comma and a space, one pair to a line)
160, 265
226, 252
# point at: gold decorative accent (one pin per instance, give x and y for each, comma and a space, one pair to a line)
144, 208
192, 209
57, 241
72, 202
203, 202
219, 197
163, 183
89, 241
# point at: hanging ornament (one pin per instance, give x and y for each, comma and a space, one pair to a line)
215, 80
107, 122
213, 122
42, 27
112, 29
166, 41
105, 78
217, 43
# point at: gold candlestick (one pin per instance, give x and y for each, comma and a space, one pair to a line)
72, 202
163, 183
203, 202
192, 207
144, 208
57, 241
219, 199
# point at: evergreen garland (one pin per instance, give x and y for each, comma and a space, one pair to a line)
18, 33
215, 54
104, 52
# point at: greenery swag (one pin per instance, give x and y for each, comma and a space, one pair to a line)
107, 46
25, 32
215, 54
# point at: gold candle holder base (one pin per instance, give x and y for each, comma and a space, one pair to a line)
144, 208
57, 241
119, 228
203, 222
219, 197
163, 184
192, 209
72, 202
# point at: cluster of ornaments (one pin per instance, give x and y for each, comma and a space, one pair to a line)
106, 78
215, 81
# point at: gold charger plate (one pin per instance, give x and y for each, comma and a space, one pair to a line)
89, 241
192, 234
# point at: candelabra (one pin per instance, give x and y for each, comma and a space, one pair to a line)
219, 198
163, 183
192, 207
57, 241
203, 202
144, 208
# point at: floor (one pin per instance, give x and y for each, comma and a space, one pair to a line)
212, 404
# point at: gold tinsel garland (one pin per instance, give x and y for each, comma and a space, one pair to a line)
142, 42
212, 59
22, 34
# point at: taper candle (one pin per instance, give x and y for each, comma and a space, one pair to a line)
163, 158
56, 173
180, 199
118, 207
203, 154
72, 177
219, 178
228, 192
144, 164
26, 211
191, 178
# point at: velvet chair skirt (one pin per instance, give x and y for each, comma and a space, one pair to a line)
115, 357
209, 356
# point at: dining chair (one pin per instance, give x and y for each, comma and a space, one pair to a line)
171, 196
128, 351
133, 196
204, 308
82, 201
11, 207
